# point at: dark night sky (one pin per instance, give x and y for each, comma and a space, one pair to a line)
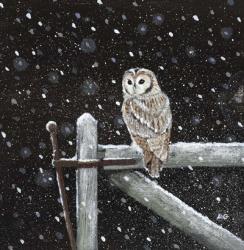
59, 59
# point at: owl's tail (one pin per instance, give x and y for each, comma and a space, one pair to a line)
153, 164
156, 167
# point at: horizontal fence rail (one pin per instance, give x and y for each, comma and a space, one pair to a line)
182, 154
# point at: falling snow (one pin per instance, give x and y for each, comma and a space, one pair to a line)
196, 18
58, 64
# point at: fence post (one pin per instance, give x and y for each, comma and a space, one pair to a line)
86, 184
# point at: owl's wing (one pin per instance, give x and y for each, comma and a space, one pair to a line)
153, 113
159, 145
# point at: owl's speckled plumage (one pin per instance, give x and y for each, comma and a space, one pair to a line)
147, 115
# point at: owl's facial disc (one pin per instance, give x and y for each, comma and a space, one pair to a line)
136, 82
143, 84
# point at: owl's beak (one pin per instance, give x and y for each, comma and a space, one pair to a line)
134, 87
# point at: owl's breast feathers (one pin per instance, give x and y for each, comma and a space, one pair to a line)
148, 117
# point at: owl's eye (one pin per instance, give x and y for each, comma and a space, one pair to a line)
129, 82
141, 81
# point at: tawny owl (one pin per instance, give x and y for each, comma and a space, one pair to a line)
147, 115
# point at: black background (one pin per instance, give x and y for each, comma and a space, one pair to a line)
37, 92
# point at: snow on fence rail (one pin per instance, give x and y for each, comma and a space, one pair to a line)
90, 156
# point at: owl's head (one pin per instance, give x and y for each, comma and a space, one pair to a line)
139, 81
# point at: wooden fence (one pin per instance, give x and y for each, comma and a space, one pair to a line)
90, 156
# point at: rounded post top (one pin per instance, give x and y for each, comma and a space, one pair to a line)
51, 127
86, 117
